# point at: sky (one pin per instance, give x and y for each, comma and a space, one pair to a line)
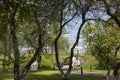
72, 30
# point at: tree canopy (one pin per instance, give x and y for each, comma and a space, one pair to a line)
40, 23
102, 42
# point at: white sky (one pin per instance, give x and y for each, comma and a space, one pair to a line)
72, 32
72, 29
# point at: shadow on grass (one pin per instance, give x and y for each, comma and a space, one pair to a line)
85, 77
48, 75
6, 75
56, 76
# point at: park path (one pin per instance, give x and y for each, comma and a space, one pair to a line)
92, 74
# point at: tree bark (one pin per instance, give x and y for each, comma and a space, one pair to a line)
39, 61
108, 72
66, 76
81, 69
16, 50
112, 62
11, 17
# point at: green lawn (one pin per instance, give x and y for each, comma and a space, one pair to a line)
48, 75
6, 76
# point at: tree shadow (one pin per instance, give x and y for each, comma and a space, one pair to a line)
48, 75
57, 76
43, 77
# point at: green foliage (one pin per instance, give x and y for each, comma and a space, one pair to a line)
48, 61
63, 44
91, 64
102, 43
47, 12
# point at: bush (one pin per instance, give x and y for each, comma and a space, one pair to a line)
48, 61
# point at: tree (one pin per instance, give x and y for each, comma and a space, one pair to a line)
108, 9
19, 20
103, 44
116, 9
81, 7
4, 38
62, 23
104, 7
16, 14
41, 20
63, 45
112, 11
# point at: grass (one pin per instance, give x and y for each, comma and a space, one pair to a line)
55, 75
1, 57
48, 75
6, 76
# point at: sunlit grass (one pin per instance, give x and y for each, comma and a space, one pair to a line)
100, 71
47, 72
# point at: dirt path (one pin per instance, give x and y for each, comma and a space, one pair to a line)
92, 74
89, 73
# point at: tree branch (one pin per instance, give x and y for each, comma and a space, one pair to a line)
95, 19
70, 19
115, 17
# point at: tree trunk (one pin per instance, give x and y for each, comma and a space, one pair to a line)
108, 72
112, 62
3, 65
91, 68
39, 61
11, 13
16, 71
118, 75
8, 65
5, 56
81, 69
38, 49
66, 76
15, 50
4, 59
